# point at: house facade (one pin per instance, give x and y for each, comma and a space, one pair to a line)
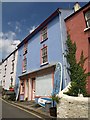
9, 70
38, 55
78, 26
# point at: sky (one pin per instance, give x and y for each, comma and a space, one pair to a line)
20, 18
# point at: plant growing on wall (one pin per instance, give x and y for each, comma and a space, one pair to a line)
76, 70
55, 101
55, 98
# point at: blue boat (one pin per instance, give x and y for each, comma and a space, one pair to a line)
43, 101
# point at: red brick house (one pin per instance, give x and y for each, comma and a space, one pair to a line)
78, 26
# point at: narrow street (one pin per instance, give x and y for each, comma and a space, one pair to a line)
10, 111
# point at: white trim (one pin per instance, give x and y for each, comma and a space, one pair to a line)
63, 63
86, 29
61, 77
44, 63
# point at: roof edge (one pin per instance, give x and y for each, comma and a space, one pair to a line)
9, 55
54, 14
77, 11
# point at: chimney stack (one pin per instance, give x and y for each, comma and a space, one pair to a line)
76, 7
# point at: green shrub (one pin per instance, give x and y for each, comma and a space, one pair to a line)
76, 70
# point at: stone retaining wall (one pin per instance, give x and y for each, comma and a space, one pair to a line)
73, 107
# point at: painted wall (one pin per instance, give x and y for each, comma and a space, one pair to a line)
56, 35
9, 74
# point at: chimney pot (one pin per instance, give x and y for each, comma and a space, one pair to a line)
76, 7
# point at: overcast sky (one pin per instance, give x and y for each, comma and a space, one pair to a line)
20, 18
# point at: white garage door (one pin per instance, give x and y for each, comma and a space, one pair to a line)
44, 85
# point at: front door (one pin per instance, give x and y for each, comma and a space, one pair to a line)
33, 88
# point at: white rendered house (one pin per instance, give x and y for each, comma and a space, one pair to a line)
9, 70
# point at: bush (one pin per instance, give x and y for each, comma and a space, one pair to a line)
76, 70
10, 95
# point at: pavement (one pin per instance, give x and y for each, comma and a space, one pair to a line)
33, 107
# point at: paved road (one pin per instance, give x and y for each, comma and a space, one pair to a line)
9, 111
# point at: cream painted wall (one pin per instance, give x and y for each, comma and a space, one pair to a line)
8, 75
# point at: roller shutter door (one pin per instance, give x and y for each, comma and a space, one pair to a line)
44, 85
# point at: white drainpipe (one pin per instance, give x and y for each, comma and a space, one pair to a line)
63, 65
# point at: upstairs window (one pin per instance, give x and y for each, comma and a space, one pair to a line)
87, 18
24, 64
44, 34
11, 81
3, 83
12, 66
25, 48
44, 55
5, 69
13, 57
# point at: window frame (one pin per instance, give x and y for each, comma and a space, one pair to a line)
43, 32
87, 19
46, 55
12, 67
13, 56
24, 67
4, 83
25, 48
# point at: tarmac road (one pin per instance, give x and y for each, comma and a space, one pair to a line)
12, 111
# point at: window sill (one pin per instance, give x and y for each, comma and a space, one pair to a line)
13, 60
43, 40
22, 93
24, 71
86, 29
44, 64
11, 72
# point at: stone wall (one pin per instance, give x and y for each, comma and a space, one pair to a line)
73, 107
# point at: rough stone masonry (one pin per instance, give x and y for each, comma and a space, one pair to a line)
73, 107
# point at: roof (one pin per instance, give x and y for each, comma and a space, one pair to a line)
77, 11
52, 16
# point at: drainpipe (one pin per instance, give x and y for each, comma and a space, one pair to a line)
63, 62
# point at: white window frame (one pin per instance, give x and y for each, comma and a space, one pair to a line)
44, 55
24, 64
25, 48
87, 18
44, 34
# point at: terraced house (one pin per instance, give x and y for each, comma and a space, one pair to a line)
9, 71
38, 55
78, 26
